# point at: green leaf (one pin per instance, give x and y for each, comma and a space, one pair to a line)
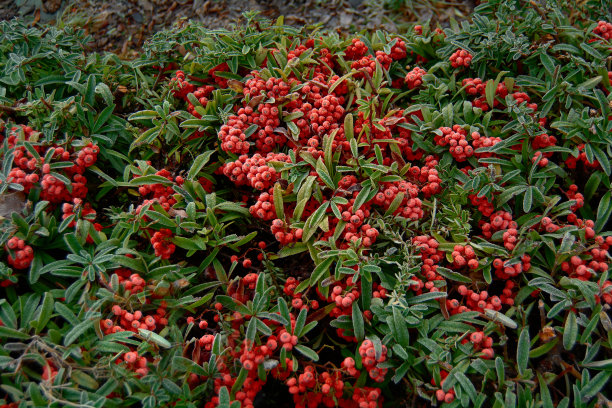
490, 89
545, 393
198, 163
547, 62
500, 317
604, 210
312, 223
242, 375
400, 331
357, 317
522, 351
361, 198
528, 199
299, 322
466, 384
570, 331
45, 311
452, 275
155, 338
77, 331
320, 271
595, 385
278, 201
425, 297
303, 196
324, 174
143, 115
307, 352
8, 333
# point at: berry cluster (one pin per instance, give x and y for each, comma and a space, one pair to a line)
356, 50
455, 137
20, 255
464, 255
162, 243
571, 161
441, 395
132, 321
482, 343
371, 359
604, 30
254, 170
134, 362
414, 78
477, 87
460, 58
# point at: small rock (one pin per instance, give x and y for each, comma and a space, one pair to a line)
51, 6
12, 202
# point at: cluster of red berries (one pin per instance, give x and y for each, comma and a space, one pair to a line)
219, 80
50, 371
273, 88
479, 141
202, 93
54, 190
510, 237
572, 161
20, 255
474, 301
460, 58
371, 359
367, 397
88, 155
414, 78
180, 87
158, 192
264, 209
130, 281
356, 50
476, 86
356, 229
297, 301
267, 119
441, 395
232, 136
464, 255
499, 220
80, 210
134, 362
367, 65
427, 176
603, 29
325, 114
128, 321
547, 224
606, 292
162, 243
482, 343
507, 270
455, 137
484, 206
285, 234
254, 170
522, 97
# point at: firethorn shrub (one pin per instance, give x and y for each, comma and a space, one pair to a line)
275, 216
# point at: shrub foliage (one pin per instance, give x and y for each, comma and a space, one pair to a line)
272, 214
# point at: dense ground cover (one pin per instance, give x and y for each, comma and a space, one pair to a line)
270, 216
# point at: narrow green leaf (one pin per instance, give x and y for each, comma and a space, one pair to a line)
357, 317
522, 350
570, 331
